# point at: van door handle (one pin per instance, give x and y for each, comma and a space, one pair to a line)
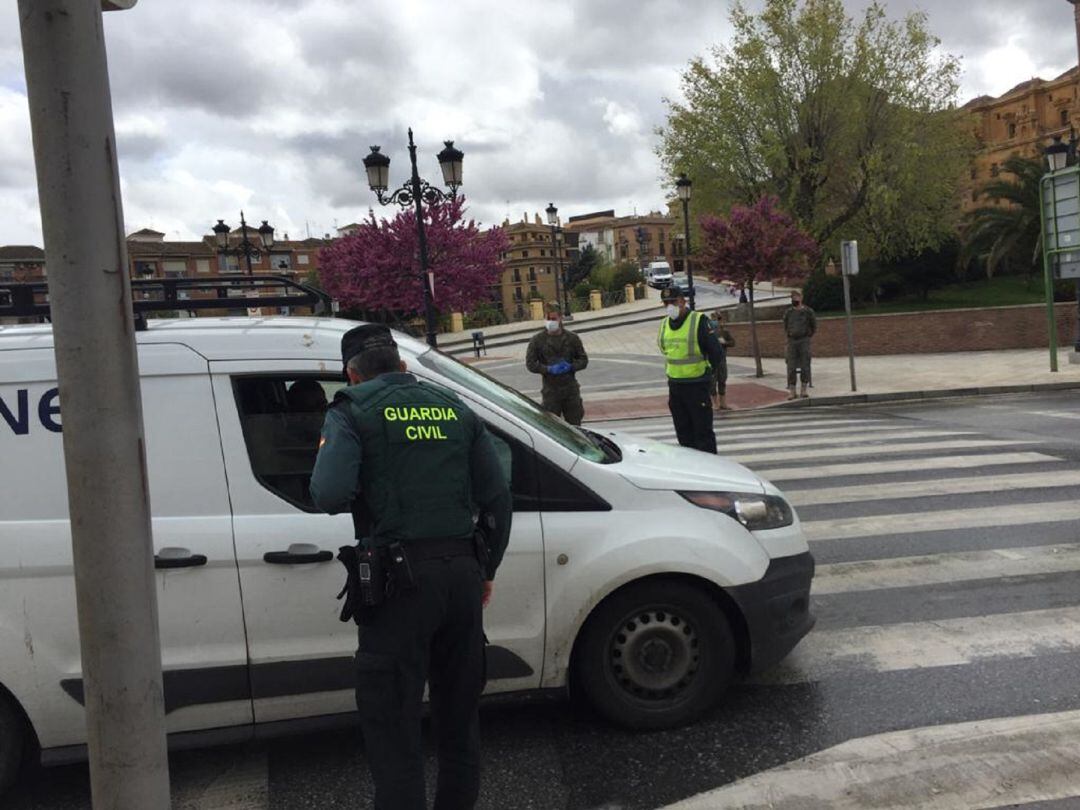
178, 559
298, 554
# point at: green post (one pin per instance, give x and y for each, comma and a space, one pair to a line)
1048, 280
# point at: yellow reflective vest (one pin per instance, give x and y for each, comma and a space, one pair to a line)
680, 347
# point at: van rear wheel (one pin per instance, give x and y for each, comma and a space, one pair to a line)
12, 743
655, 655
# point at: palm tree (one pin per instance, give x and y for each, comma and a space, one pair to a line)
1009, 231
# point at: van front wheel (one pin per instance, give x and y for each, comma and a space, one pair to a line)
12, 740
655, 655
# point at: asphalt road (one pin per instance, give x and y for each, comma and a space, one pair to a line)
948, 591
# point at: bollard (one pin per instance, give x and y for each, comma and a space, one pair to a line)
478, 343
536, 310
628, 291
596, 302
457, 322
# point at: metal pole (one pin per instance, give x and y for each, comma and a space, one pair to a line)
429, 306
689, 269
558, 267
245, 245
67, 86
1048, 281
850, 333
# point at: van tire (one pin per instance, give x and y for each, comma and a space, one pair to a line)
655, 655
12, 742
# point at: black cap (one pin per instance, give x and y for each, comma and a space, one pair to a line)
361, 338
671, 294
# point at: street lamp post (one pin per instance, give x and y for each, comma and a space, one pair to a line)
682, 186
246, 247
415, 192
564, 299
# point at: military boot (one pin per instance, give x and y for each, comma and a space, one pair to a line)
791, 392
803, 393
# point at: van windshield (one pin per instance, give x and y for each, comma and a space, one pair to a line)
584, 444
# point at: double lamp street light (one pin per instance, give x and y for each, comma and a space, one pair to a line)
414, 193
246, 248
682, 187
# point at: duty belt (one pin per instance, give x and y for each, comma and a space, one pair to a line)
433, 548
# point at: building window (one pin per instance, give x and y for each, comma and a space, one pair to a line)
974, 195
994, 171
202, 265
1064, 117
543, 252
517, 276
517, 293
145, 268
524, 254
660, 249
7, 273
1012, 130
302, 258
532, 274
533, 291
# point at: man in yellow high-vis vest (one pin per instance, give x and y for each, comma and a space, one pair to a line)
692, 352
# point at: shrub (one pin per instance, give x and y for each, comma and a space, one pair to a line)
824, 293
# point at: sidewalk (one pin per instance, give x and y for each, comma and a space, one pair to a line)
878, 379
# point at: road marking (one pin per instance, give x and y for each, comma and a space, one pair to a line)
872, 450
647, 427
939, 569
980, 517
946, 486
842, 431
928, 644
243, 785
920, 465
853, 444
986, 763
1056, 414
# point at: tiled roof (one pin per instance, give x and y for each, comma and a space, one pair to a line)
169, 249
26, 253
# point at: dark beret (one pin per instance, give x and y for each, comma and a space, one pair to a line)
362, 338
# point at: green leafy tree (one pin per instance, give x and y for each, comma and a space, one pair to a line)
851, 125
1007, 232
587, 261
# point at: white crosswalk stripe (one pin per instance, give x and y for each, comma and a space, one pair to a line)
991, 466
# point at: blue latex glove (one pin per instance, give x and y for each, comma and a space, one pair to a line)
562, 367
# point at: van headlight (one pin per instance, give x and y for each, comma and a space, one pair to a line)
753, 510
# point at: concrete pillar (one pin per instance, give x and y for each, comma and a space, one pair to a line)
457, 322
596, 302
536, 310
629, 293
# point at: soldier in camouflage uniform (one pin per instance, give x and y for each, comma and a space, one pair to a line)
800, 323
557, 355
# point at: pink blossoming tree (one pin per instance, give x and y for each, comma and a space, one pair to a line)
378, 267
755, 243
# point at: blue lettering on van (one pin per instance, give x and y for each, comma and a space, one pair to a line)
19, 419
49, 409
19, 422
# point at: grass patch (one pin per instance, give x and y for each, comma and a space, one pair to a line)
1000, 291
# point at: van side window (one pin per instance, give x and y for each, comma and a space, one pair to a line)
523, 481
282, 418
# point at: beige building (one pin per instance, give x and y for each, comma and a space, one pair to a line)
639, 238
531, 266
1023, 122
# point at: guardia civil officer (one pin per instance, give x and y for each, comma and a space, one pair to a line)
692, 352
557, 355
423, 466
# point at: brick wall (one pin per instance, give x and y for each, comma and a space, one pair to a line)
954, 330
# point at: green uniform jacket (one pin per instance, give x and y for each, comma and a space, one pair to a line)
546, 349
799, 322
422, 462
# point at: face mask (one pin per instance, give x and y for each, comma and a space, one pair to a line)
796, 301
552, 326
672, 311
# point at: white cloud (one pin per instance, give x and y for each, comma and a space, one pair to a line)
270, 105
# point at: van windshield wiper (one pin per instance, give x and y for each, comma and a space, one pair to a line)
611, 450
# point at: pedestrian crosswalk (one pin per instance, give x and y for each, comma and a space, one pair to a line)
943, 554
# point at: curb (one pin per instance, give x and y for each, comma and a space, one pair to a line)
867, 399
938, 393
591, 325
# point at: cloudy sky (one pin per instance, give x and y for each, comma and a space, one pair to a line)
270, 105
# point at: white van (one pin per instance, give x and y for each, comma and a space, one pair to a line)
658, 274
644, 575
